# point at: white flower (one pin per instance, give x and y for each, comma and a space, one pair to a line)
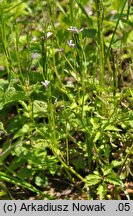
56, 100
46, 83
70, 43
35, 55
48, 35
74, 29
81, 29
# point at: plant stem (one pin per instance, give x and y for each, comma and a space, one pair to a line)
108, 52
71, 11
100, 15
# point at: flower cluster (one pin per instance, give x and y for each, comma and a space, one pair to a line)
46, 84
48, 35
35, 55
74, 29
70, 43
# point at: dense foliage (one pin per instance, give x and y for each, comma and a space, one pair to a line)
66, 99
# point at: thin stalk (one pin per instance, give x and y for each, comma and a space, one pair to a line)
4, 44
10, 69
100, 16
60, 158
52, 12
95, 68
115, 70
18, 59
125, 159
70, 168
11, 8
67, 145
108, 52
72, 11
90, 22
128, 9
14, 178
79, 53
44, 57
80, 67
51, 118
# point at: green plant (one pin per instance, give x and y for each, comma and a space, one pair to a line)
66, 97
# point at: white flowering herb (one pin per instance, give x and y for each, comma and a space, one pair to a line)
70, 43
46, 83
35, 55
48, 35
74, 29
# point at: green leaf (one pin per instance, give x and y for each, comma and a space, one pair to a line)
102, 191
3, 83
107, 151
39, 107
11, 95
26, 173
113, 179
2, 193
111, 128
95, 123
39, 181
116, 163
93, 179
106, 170
117, 4
33, 77
97, 136
24, 130
19, 182
90, 33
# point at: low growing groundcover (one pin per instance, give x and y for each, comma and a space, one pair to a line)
66, 99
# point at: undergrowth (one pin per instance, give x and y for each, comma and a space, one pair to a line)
66, 98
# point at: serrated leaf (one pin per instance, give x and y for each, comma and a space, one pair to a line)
113, 179
102, 191
24, 130
115, 163
39, 106
97, 136
96, 173
106, 170
107, 150
11, 95
39, 181
94, 123
93, 179
111, 128
73, 105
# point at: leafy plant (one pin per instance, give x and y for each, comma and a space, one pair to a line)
66, 97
